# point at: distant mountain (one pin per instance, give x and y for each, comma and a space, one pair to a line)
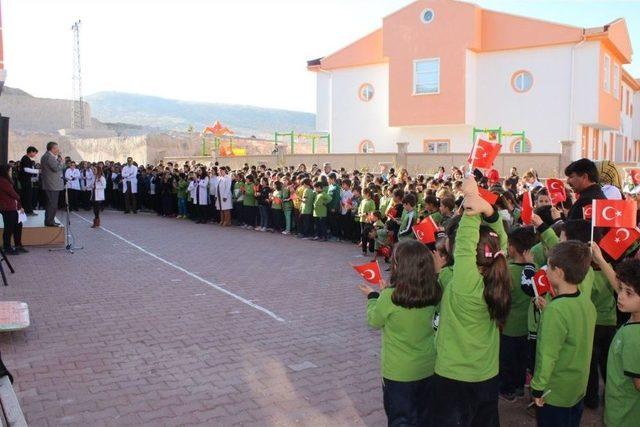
175, 115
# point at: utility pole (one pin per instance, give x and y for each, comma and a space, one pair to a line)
77, 110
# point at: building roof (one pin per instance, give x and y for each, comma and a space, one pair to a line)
497, 31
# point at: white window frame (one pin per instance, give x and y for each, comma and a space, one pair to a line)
436, 144
424, 11
607, 74
616, 81
415, 75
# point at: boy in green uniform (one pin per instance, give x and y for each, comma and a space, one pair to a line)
565, 339
367, 206
407, 220
622, 389
182, 196
320, 212
306, 209
249, 203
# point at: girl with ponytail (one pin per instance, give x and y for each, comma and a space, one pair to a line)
474, 308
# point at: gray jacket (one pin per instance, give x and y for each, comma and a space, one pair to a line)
51, 172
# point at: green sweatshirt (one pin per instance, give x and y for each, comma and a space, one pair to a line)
516, 324
286, 205
308, 197
468, 340
249, 195
320, 205
366, 207
277, 195
182, 189
408, 344
622, 399
604, 300
563, 351
334, 197
548, 239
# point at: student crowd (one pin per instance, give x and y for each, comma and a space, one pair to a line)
462, 321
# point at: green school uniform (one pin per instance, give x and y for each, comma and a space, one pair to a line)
249, 195
517, 320
384, 205
286, 205
404, 222
320, 205
334, 197
445, 276
563, 352
604, 300
468, 339
436, 216
622, 399
182, 189
365, 207
277, 195
408, 346
308, 197
548, 239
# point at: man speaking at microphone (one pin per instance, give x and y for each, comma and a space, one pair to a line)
51, 166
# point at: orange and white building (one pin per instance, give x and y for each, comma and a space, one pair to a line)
438, 68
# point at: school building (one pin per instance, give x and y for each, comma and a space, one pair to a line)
438, 68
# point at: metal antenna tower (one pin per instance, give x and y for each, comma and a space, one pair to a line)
77, 110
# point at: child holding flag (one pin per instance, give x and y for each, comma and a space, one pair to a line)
404, 312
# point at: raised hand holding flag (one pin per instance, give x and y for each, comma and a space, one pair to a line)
369, 272
484, 154
557, 191
489, 196
527, 208
541, 283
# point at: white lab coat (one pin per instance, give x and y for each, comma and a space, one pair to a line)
130, 175
199, 191
99, 185
225, 199
88, 179
213, 188
73, 179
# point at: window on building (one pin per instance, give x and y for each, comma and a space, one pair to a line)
366, 146
521, 81
520, 146
432, 146
366, 91
427, 16
616, 81
426, 76
607, 74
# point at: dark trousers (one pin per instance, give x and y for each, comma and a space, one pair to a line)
97, 207
250, 215
460, 403
531, 360
554, 416
602, 338
408, 403
306, 221
51, 207
12, 228
27, 195
321, 227
130, 202
73, 199
367, 243
85, 200
332, 222
278, 219
513, 363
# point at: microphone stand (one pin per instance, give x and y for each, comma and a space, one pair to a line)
69, 237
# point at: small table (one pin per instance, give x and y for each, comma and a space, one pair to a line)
14, 316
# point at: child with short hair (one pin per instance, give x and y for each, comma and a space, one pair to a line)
404, 312
287, 204
346, 220
408, 219
366, 207
565, 339
183, 185
277, 197
306, 209
320, 203
447, 206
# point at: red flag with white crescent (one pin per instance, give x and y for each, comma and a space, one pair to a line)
541, 282
527, 208
369, 272
618, 240
426, 230
557, 191
635, 175
484, 153
615, 213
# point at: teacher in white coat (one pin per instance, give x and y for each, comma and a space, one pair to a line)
224, 198
199, 188
97, 194
130, 186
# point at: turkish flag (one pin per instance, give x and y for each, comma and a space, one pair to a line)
557, 191
618, 240
635, 175
484, 153
615, 213
392, 213
490, 197
587, 212
541, 282
426, 230
527, 208
369, 272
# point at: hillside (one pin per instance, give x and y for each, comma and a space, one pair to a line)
170, 114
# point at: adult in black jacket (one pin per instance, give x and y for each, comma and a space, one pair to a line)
26, 172
582, 177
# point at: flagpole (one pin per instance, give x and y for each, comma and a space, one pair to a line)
593, 216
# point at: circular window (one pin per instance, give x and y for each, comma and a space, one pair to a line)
367, 146
520, 146
427, 16
521, 81
366, 91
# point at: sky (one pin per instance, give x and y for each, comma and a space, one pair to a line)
250, 52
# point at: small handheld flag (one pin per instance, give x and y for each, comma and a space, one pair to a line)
527, 208
484, 154
635, 175
489, 196
369, 272
557, 191
615, 213
541, 283
425, 231
618, 240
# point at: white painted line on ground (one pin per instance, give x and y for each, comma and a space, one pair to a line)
188, 273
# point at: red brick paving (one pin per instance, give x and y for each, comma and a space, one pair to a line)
120, 338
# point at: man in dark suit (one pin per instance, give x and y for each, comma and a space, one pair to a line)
27, 172
51, 165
